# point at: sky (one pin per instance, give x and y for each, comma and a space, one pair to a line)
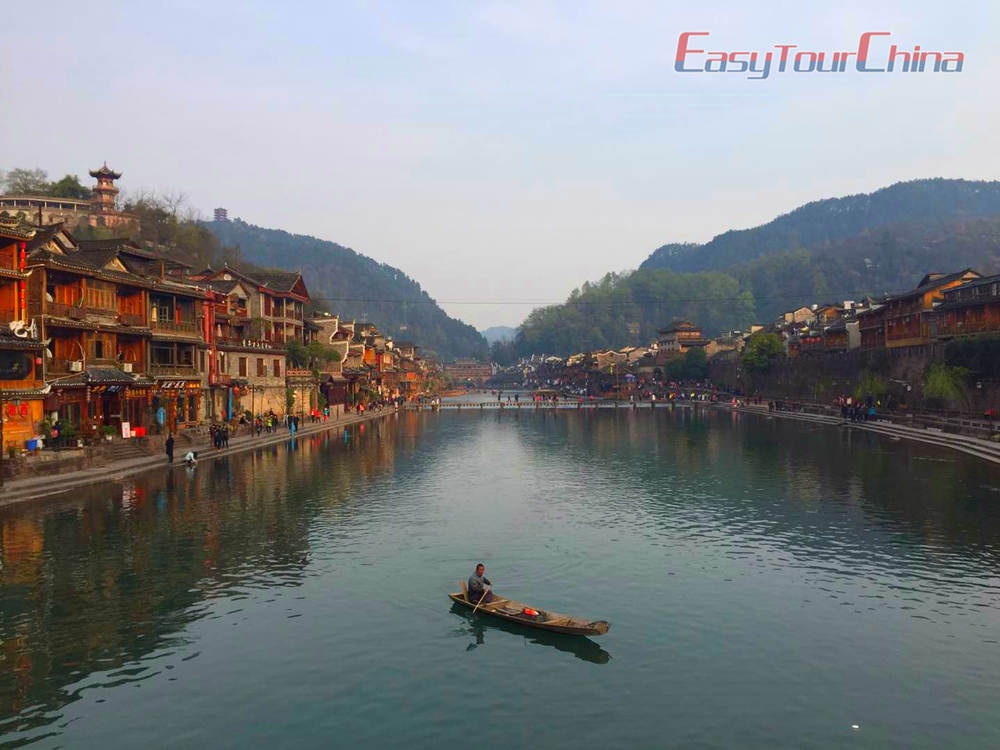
500, 153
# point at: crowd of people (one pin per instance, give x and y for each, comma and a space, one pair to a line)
855, 410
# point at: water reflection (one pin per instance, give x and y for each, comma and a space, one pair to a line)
96, 581
727, 546
478, 625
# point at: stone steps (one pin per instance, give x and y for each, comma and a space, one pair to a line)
123, 450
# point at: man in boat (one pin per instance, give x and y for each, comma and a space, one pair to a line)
477, 586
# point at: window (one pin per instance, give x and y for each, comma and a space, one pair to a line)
261, 370
277, 368
243, 366
201, 360
98, 349
162, 354
15, 365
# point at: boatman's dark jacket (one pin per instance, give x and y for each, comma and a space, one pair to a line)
477, 585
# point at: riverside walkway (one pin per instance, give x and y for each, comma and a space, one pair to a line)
973, 446
36, 487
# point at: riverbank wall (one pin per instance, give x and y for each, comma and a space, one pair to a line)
898, 374
38, 487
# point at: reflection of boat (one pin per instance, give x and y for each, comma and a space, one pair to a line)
521, 613
580, 647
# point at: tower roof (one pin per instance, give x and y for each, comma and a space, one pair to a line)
104, 171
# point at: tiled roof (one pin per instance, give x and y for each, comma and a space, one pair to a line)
16, 230
280, 281
10, 341
678, 325
929, 283
102, 376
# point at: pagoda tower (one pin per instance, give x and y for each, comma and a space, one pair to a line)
105, 192
104, 205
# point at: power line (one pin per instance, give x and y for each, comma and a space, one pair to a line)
593, 303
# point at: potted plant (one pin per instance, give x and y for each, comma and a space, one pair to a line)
108, 431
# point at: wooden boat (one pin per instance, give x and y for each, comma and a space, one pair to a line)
508, 609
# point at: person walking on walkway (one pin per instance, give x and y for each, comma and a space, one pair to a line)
169, 445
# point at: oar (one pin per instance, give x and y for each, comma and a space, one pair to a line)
481, 600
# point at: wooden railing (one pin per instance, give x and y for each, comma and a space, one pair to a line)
969, 326
65, 311
173, 326
187, 370
132, 319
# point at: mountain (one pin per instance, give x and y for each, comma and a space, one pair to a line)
832, 219
826, 251
499, 333
356, 286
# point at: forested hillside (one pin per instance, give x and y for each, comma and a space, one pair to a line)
627, 309
356, 286
826, 251
825, 221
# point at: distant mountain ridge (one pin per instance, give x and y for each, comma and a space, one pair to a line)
499, 333
832, 219
344, 281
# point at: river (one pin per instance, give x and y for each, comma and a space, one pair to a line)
768, 583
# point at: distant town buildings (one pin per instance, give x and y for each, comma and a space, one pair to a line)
940, 308
468, 371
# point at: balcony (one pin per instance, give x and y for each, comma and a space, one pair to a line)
132, 319
65, 311
183, 327
78, 311
60, 365
173, 370
966, 327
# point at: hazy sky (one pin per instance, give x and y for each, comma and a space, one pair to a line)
499, 152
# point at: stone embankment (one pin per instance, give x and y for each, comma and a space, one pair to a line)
36, 487
973, 446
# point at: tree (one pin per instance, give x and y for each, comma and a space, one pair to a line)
310, 356
321, 354
695, 364
761, 350
945, 383
870, 384
31, 181
503, 353
69, 187
297, 353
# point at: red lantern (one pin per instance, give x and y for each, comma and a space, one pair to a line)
24, 410
11, 411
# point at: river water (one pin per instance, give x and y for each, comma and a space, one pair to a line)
768, 583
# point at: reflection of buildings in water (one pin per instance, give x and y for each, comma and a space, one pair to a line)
21, 543
103, 578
